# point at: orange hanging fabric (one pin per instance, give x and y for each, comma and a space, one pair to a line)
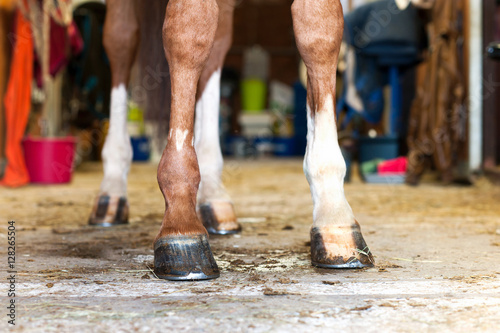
18, 103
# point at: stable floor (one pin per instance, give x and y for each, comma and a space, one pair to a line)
437, 251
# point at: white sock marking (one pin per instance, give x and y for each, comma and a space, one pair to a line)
207, 143
117, 151
325, 168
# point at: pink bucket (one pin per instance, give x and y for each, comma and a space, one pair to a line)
49, 160
396, 165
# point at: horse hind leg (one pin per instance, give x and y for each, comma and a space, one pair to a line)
121, 37
215, 208
336, 239
181, 248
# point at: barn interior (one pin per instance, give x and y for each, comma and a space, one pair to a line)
416, 112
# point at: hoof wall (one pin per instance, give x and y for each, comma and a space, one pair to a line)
109, 211
339, 248
185, 258
219, 218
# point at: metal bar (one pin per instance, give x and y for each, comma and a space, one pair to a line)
476, 52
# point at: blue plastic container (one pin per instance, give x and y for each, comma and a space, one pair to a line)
264, 146
385, 147
141, 148
235, 145
284, 146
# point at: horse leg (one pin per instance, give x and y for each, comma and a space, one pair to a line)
181, 247
215, 208
336, 240
121, 37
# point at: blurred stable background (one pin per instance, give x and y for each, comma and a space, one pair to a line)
417, 89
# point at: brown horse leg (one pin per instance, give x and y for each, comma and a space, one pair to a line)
336, 240
121, 37
215, 208
181, 247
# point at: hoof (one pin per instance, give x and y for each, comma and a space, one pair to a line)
218, 218
185, 258
337, 247
109, 211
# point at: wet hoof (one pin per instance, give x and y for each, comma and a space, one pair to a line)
185, 258
218, 218
109, 211
337, 247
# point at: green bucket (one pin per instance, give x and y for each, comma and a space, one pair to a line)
253, 95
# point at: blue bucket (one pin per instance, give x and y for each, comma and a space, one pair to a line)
284, 146
385, 147
140, 148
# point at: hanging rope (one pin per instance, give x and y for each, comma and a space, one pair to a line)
39, 13
59, 10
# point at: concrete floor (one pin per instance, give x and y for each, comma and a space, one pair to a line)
436, 248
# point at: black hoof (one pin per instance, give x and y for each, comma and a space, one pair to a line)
185, 258
221, 221
331, 251
109, 211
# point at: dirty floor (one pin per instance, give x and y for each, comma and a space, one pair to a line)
437, 251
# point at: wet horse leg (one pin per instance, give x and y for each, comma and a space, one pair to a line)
214, 204
121, 37
181, 247
336, 240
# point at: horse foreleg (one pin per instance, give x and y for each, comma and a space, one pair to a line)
181, 248
214, 203
336, 240
121, 37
